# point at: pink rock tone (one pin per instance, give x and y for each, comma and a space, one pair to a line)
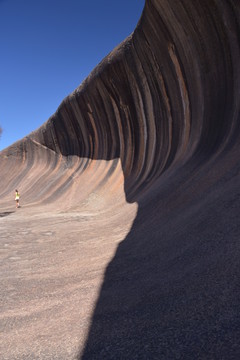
126, 245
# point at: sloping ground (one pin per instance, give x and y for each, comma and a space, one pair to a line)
127, 243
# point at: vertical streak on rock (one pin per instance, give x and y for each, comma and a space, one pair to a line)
185, 101
119, 128
169, 115
145, 131
229, 11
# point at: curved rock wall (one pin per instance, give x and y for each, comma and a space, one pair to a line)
169, 93
159, 117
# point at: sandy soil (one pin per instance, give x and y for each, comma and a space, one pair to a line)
52, 266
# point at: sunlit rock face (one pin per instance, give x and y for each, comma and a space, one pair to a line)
166, 103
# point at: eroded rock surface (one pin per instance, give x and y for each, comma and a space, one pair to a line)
145, 155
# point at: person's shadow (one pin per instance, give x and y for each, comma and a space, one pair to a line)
5, 213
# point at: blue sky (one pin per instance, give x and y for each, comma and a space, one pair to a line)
47, 48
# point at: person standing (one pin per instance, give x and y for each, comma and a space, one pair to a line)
17, 197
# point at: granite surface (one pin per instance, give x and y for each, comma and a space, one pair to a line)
126, 244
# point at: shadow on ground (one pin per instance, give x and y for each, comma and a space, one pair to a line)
170, 291
5, 213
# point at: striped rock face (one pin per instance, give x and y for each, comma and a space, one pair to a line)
126, 244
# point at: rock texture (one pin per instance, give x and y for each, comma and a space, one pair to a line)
163, 109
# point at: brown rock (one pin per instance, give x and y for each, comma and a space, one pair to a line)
127, 242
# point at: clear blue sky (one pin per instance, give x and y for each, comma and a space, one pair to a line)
47, 48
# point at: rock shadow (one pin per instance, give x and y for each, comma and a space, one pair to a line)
169, 292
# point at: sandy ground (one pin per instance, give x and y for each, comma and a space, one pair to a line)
52, 266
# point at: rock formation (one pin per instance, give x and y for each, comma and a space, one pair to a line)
166, 103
